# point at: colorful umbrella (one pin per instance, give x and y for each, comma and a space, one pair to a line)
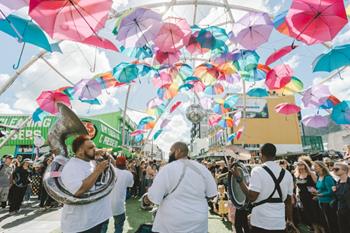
125, 72
254, 30
334, 59
139, 28
186, 87
8, 7
164, 123
173, 36
246, 60
212, 38
139, 138
220, 109
175, 106
157, 134
107, 80
315, 121
214, 119
168, 57
100, 43
316, 21
226, 122
279, 53
145, 121
48, 100
279, 77
315, 96
168, 91
231, 137
25, 31
137, 132
138, 53
330, 102
215, 89
71, 20
207, 73
87, 89
341, 113
279, 22
287, 109
257, 92
194, 46
294, 86
231, 101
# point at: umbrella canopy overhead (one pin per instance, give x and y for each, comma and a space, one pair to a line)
287, 109
48, 101
257, 92
316, 21
70, 20
7, 7
315, 96
139, 28
341, 113
279, 54
125, 72
87, 89
254, 30
279, 77
338, 57
315, 121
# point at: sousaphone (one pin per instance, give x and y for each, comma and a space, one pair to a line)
69, 124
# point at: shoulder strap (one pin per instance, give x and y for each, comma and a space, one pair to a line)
178, 183
277, 188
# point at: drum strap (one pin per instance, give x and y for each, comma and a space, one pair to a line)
277, 188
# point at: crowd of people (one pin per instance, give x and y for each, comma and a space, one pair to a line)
313, 196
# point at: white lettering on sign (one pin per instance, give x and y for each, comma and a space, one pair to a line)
47, 122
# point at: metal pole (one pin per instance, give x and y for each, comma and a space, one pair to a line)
124, 114
13, 132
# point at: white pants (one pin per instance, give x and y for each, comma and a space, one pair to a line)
4, 192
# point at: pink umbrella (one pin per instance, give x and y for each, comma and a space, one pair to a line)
287, 109
315, 121
175, 106
254, 30
163, 79
316, 21
100, 42
155, 102
168, 57
214, 119
173, 35
48, 100
279, 77
279, 53
137, 132
68, 19
87, 89
316, 96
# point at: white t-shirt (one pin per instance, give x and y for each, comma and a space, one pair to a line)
125, 179
269, 216
186, 209
76, 218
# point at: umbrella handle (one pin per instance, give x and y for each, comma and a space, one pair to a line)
15, 66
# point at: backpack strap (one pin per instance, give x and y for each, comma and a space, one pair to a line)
277, 188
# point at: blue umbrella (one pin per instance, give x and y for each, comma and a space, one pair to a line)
125, 72
231, 101
341, 113
26, 31
246, 60
252, 75
334, 59
257, 92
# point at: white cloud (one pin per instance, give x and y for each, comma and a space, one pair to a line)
6, 109
343, 37
294, 61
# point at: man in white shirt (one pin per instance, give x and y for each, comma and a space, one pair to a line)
79, 176
125, 180
181, 189
270, 190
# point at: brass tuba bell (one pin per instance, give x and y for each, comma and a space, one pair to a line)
69, 124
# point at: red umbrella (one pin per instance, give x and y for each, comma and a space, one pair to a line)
175, 106
70, 19
279, 77
48, 100
100, 42
168, 57
279, 53
316, 21
173, 35
287, 109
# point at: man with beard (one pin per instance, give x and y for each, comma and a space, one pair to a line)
79, 176
181, 189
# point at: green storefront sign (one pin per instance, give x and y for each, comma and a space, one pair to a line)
102, 134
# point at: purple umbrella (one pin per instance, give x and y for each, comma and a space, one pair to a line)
164, 123
253, 29
315, 121
316, 96
7, 7
87, 89
139, 28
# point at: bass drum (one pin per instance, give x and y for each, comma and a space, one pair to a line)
235, 192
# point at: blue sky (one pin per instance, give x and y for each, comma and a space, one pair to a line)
20, 97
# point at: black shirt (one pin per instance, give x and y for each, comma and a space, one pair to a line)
342, 190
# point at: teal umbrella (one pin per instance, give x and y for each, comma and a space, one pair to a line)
246, 60
257, 92
341, 113
125, 72
338, 57
26, 31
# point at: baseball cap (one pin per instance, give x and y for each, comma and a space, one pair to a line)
27, 160
7, 157
120, 161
